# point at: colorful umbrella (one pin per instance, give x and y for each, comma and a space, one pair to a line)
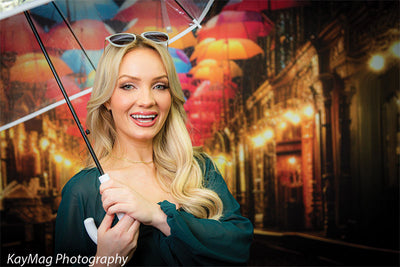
214, 91
53, 91
185, 16
17, 36
33, 68
78, 62
74, 10
236, 24
216, 71
90, 33
233, 48
181, 60
185, 41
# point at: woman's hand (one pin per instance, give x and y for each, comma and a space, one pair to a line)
120, 239
120, 198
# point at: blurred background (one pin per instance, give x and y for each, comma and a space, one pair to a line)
298, 103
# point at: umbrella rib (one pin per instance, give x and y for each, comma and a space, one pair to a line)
71, 108
73, 34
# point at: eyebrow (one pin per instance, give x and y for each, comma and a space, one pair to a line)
138, 79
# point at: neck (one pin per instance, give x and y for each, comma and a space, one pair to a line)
133, 152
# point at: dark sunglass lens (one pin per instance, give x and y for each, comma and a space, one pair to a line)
122, 39
156, 37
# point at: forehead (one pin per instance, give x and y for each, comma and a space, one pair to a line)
142, 60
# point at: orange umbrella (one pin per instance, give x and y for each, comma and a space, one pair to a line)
91, 34
233, 48
212, 70
33, 68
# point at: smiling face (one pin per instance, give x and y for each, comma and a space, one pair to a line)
141, 99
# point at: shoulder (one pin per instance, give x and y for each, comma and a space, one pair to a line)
211, 175
82, 182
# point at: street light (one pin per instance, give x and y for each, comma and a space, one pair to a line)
395, 49
377, 62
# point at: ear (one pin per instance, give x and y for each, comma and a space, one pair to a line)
107, 105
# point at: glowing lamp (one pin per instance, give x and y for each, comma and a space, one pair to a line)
377, 62
395, 49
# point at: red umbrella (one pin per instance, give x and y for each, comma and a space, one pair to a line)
79, 106
53, 91
17, 36
236, 24
259, 5
91, 34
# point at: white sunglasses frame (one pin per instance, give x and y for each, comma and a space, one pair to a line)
164, 43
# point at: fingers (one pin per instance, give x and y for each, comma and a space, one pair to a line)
106, 223
134, 228
125, 223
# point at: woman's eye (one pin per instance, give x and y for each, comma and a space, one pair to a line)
127, 86
160, 87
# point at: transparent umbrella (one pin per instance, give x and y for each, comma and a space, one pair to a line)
53, 45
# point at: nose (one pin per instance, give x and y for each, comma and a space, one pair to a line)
146, 98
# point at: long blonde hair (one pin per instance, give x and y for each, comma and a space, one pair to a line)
178, 171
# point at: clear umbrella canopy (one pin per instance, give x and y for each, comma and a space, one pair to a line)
73, 32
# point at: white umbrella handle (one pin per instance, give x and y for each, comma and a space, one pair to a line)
90, 226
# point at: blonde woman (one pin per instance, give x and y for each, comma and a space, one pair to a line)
178, 210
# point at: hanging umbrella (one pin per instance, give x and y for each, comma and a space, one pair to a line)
233, 48
236, 24
90, 33
258, 5
53, 91
185, 16
216, 71
215, 91
77, 10
33, 68
181, 60
16, 35
78, 62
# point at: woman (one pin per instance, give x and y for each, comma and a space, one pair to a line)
178, 210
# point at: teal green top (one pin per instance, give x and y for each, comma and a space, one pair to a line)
193, 241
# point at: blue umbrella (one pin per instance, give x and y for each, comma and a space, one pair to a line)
181, 60
78, 10
78, 62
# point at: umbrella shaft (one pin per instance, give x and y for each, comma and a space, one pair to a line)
53, 70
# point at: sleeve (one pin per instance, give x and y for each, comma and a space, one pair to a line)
195, 241
70, 234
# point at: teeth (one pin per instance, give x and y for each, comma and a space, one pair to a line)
143, 116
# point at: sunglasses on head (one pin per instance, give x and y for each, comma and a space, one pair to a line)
124, 39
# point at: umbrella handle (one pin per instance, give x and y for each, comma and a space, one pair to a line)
90, 226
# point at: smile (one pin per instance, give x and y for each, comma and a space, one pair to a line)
143, 117
144, 120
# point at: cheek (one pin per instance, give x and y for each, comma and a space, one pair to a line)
119, 102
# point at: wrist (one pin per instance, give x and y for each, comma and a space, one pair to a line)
160, 221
